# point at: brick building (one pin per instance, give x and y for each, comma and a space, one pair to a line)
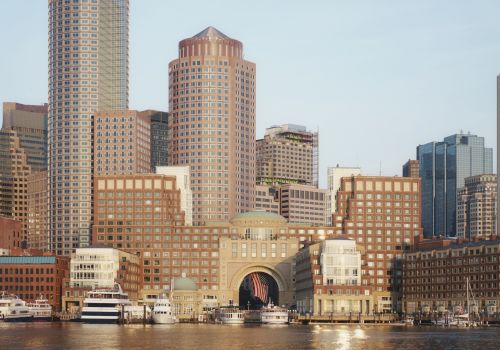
122, 143
29, 277
436, 272
383, 215
11, 233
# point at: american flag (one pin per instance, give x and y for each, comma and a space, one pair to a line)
260, 287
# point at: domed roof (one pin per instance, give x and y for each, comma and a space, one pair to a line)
258, 216
184, 283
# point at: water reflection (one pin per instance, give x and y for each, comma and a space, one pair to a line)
201, 337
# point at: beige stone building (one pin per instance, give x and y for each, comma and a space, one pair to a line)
212, 124
266, 199
122, 143
476, 207
305, 205
287, 154
14, 172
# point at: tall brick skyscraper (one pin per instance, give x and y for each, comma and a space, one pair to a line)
88, 72
212, 124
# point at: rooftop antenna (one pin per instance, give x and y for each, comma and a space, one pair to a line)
380, 169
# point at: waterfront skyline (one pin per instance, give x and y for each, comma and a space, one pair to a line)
437, 69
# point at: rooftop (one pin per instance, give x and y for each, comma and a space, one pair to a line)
211, 32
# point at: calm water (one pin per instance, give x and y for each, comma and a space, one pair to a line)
200, 337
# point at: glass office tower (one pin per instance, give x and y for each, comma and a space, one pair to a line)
443, 169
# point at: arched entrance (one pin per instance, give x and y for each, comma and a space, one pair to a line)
258, 289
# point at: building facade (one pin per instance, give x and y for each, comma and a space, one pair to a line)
411, 168
435, 277
11, 233
287, 154
328, 279
443, 169
29, 277
383, 215
476, 207
14, 172
88, 71
266, 199
212, 124
183, 184
100, 267
30, 124
335, 174
159, 138
121, 143
38, 218
306, 205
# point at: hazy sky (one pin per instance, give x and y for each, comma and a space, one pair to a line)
376, 78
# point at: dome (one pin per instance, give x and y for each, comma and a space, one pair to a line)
258, 218
184, 283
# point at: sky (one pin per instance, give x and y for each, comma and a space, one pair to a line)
376, 78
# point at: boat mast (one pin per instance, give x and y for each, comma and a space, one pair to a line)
468, 303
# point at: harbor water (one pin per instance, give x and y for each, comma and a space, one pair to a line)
67, 335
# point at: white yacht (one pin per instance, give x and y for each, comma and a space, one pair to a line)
41, 310
104, 306
5, 300
231, 315
272, 314
17, 311
162, 311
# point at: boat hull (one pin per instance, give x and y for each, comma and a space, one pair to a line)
163, 319
27, 318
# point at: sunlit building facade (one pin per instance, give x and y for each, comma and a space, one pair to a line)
212, 124
88, 71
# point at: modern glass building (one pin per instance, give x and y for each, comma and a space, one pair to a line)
88, 72
443, 169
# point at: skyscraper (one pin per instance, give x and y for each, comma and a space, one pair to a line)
159, 138
288, 154
14, 172
88, 71
498, 150
443, 169
476, 207
212, 123
30, 124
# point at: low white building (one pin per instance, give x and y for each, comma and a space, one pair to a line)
183, 183
95, 267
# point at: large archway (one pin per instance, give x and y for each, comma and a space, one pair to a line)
258, 289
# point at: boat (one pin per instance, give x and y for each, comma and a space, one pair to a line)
252, 316
162, 311
17, 311
272, 314
464, 320
230, 315
41, 309
104, 305
5, 300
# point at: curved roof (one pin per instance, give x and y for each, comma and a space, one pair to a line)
258, 216
184, 283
